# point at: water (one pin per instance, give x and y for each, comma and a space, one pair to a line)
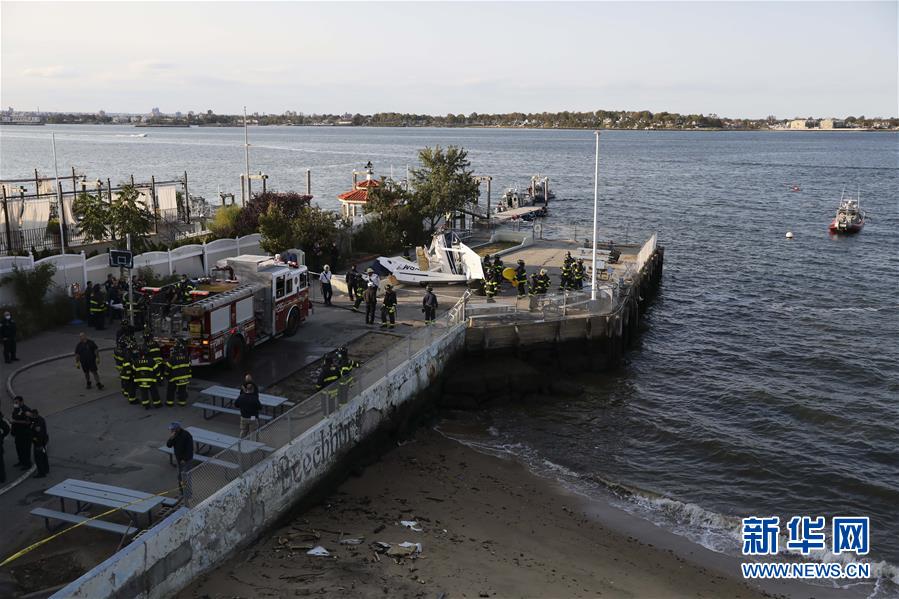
766, 379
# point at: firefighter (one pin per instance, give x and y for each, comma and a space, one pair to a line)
329, 373
542, 282
123, 363
98, 308
521, 277
178, 370
361, 284
490, 286
345, 366
153, 350
185, 286
532, 285
351, 276
498, 272
580, 273
429, 305
145, 376
567, 275
388, 309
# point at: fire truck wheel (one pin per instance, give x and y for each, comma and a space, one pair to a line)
236, 351
293, 323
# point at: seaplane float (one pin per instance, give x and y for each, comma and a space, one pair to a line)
447, 260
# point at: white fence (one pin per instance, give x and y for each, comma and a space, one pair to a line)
193, 260
646, 251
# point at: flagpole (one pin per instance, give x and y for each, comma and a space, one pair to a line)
246, 144
595, 210
59, 205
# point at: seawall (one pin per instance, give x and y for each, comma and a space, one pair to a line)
193, 541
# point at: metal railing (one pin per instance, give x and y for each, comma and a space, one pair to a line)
552, 306
229, 464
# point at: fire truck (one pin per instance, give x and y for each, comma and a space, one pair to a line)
247, 300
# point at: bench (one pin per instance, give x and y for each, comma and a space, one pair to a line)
48, 515
208, 407
199, 458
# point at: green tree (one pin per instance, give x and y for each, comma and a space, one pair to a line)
309, 227
30, 286
93, 216
224, 223
127, 214
444, 183
277, 230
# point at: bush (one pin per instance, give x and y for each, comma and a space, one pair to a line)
224, 223
290, 203
154, 280
30, 286
377, 236
35, 310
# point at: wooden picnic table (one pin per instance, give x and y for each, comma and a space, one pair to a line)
229, 395
85, 493
210, 439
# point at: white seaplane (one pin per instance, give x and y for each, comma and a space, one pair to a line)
449, 261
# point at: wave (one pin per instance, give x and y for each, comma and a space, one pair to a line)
713, 530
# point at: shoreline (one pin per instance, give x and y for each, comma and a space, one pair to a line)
490, 528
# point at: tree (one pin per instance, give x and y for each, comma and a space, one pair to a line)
290, 203
443, 184
307, 228
93, 216
224, 223
127, 214
277, 230
30, 286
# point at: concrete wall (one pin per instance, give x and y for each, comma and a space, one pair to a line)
192, 542
194, 260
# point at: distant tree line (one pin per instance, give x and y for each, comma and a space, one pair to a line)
599, 119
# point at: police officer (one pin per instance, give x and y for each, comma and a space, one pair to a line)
39, 439
429, 305
388, 309
178, 370
21, 432
123, 363
371, 302
145, 378
8, 333
521, 277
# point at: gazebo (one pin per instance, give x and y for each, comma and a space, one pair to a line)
352, 202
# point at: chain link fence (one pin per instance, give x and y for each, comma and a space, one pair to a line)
229, 464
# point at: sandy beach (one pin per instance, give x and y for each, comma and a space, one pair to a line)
489, 528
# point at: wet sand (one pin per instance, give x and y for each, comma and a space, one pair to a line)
489, 528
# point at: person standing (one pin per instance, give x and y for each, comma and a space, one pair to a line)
21, 432
325, 280
580, 273
123, 363
249, 405
39, 440
361, 285
373, 277
87, 357
498, 272
182, 444
351, 276
153, 351
388, 308
8, 334
98, 307
178, 369
490, 286
371, 302
429, 305
542, 282
145, 379
88, 291
4, 432
521, 278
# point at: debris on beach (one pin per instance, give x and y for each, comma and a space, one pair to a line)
319, 551
411, 524
352, 541
405, 549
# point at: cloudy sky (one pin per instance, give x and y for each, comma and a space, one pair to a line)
730, 58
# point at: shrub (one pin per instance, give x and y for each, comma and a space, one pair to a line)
224, 223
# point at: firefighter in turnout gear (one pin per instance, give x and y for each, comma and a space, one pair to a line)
580, 273
360, 284
541, 282
521, 277
498, 272
145, 376
177, 368
490, 286
123, 363
345, 366
567, 273
153, 350
388, 309
330, 372
97, 306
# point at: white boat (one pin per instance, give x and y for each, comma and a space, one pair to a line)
449, 261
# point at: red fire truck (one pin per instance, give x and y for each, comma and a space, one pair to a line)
248, 300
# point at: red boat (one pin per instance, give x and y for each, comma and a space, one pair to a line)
849, 218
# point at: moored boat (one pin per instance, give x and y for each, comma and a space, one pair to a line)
850, 218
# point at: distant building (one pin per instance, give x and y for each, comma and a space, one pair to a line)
801, 124
155, 112
832, 124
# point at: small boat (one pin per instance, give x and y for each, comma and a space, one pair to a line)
849, 218
512, 201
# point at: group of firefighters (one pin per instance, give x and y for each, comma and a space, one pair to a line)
142, 367
574, 272
336, 366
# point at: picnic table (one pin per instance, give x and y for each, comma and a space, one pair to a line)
85, 493
210, 439
227, 395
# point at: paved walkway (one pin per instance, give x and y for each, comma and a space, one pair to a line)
96, 435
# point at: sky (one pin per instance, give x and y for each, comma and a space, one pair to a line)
734, 59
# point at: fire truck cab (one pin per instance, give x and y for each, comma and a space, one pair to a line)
248, 300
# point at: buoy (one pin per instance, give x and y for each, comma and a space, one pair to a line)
789, 235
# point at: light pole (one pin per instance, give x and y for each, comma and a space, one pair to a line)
595, 209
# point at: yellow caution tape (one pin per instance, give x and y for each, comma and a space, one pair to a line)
55, 535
